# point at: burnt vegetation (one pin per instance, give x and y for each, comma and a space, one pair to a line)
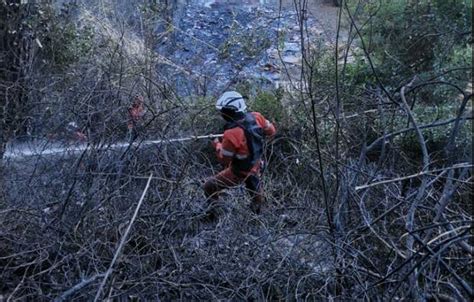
368, 182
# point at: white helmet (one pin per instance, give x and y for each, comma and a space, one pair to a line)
72, 126
231, 100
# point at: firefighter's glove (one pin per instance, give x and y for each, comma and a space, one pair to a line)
216, 144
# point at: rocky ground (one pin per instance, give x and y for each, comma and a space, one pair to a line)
218, 43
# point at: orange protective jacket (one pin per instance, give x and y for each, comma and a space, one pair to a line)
135, 113
234, 142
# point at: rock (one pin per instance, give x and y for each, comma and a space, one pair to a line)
270, 67
295, 38
271, 76
272, 53
292, 59
291, 47
316, 31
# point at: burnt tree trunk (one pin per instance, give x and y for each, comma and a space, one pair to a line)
15, 47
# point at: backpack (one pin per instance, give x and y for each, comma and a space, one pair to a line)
255, 138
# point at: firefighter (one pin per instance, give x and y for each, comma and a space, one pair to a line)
74, 133
135, 115
240, 150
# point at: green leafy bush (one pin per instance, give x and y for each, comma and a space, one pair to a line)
63, 41
414, 37
270, 105
436, 137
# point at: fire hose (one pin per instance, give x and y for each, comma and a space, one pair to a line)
45, 150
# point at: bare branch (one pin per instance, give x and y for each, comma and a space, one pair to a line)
123, 240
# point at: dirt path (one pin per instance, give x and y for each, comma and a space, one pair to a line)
323, 11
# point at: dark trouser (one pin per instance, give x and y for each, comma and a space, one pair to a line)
132, 134
227, 179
